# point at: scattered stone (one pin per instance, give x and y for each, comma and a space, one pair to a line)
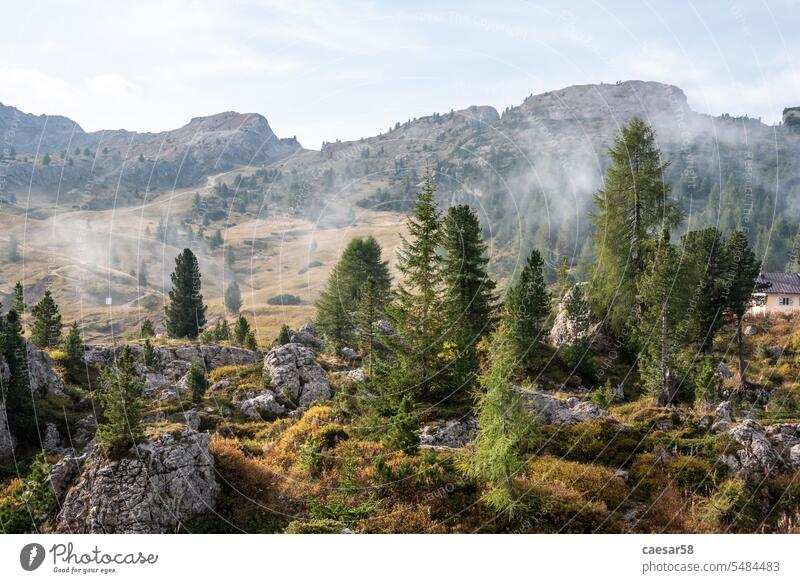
295, 374
453, 433
384, 327
724, 371
263, 407
161, 483
757, 455
554, 411
307, 336
775, 351
192, 417
784, 435
358, 375
725, 412
51, 439
705, 422
750, 331
348, 353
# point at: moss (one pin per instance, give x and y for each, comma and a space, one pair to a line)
314, 526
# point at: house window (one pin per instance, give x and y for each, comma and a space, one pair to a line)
785, 301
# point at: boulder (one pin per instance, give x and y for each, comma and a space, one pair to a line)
358, 375
263, 407
454, 433
724, 371
750, 331
84, 432
64, 472
724, 412
307, 336
7, 441
192, 417
348, 353
295, 374
384, 328
158, 485
784, 435
50, 439
555, 411
757, 456
775, 351
41, 372
565, 328
794, 456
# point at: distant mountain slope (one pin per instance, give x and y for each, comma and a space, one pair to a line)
91, 166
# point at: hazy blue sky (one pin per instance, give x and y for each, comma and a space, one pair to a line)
346, 69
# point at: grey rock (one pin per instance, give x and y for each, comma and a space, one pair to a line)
307, 336
720, 426
775, 351
84, 432
565, 328
757, 456
725, 412
295, 374
384, 327
555, 411
154, 382
192, 417
160, 484
784, 435
262, 407
7, 441
705, 422
724, 371
50, 439
750, 331
41, 372
358, 375
454, 433
64, 472
348, 353
794, 456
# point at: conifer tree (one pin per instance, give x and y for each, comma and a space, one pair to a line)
73, 345
505, 430
468, 296
122, 424
149, 357
46, 322
742, 275
241, 330
186, 312
416, 312
283, 336
662, 290
632, 208
360, 260
147, 330
18, 395
250, 342
401, 433
233, 298
703, 253
369, 311
197, 381
19, 300
527, 306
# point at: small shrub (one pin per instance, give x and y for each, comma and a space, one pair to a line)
285, 300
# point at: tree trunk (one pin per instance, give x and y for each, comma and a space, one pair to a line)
667, 390
740, 354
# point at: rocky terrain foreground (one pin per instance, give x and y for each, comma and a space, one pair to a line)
278, 445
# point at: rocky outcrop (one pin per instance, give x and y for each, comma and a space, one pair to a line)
555, 411
174, 361
307, 336
158, 485
41, 372
295, 375
7, 441
756, 456
263, 407
565, 327
454, 433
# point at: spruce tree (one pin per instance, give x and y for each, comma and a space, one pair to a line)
122, 401
741, 283
250, 342
416, 312
186, 313
632, 208
469, 292
46, 322
283, 336
149, 357
360, 260
505, 430
241, 330
233, 298
527, 307
401, 432
662, 290
18, 395
368, 312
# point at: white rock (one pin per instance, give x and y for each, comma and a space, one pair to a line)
295, 374
262, 407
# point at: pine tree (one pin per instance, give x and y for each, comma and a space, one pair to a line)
360, 260
250, 342
46, 324
149, 357
283, 336
662, 290
197, 382
401, 432
13, 255
704, 255
527, 307
468, 296
505, 430
632, 208
230, 256
416, 312
19, 299
186, 313
73, 345
215, 240
741, 284
122, 424
233, 298
147, 330
241, 330
142, 274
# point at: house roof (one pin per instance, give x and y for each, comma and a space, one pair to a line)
781, 283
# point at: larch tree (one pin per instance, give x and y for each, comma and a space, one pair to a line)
632, 208
186, 312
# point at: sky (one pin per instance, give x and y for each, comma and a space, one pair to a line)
347, 69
